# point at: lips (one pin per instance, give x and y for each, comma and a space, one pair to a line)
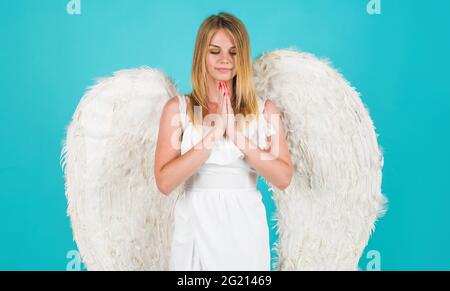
223, 70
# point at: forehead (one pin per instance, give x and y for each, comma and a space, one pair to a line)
222, 38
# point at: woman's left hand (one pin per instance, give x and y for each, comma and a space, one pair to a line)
231, 121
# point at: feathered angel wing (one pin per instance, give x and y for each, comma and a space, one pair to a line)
120, 220
325, 217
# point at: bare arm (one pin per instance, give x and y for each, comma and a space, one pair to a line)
274, 164
172, 168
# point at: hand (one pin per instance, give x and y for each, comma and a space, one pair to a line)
230, 131
220, 120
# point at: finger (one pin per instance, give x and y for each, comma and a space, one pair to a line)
221, 96
227, 106
223, 92
225, 88
224, 104
221, 88
229, 102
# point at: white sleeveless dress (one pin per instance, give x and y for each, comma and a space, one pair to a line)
220, 219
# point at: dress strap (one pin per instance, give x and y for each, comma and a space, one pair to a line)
182, 105
265, 129
262, 104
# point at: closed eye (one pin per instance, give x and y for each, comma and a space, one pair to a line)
216, 52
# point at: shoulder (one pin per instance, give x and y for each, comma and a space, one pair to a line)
172, 104
270, 108
171, 108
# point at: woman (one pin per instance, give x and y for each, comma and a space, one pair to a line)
220, 220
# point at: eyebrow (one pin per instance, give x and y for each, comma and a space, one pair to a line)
219, 46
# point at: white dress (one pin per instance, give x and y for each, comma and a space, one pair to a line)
220, 219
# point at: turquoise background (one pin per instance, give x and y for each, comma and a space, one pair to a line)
398, 60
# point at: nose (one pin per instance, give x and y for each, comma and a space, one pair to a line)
224, 63
225, 58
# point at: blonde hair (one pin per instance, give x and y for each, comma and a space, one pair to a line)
245, 101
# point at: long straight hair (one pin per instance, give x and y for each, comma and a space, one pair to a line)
245, 102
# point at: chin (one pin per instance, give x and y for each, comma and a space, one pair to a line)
223, 78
